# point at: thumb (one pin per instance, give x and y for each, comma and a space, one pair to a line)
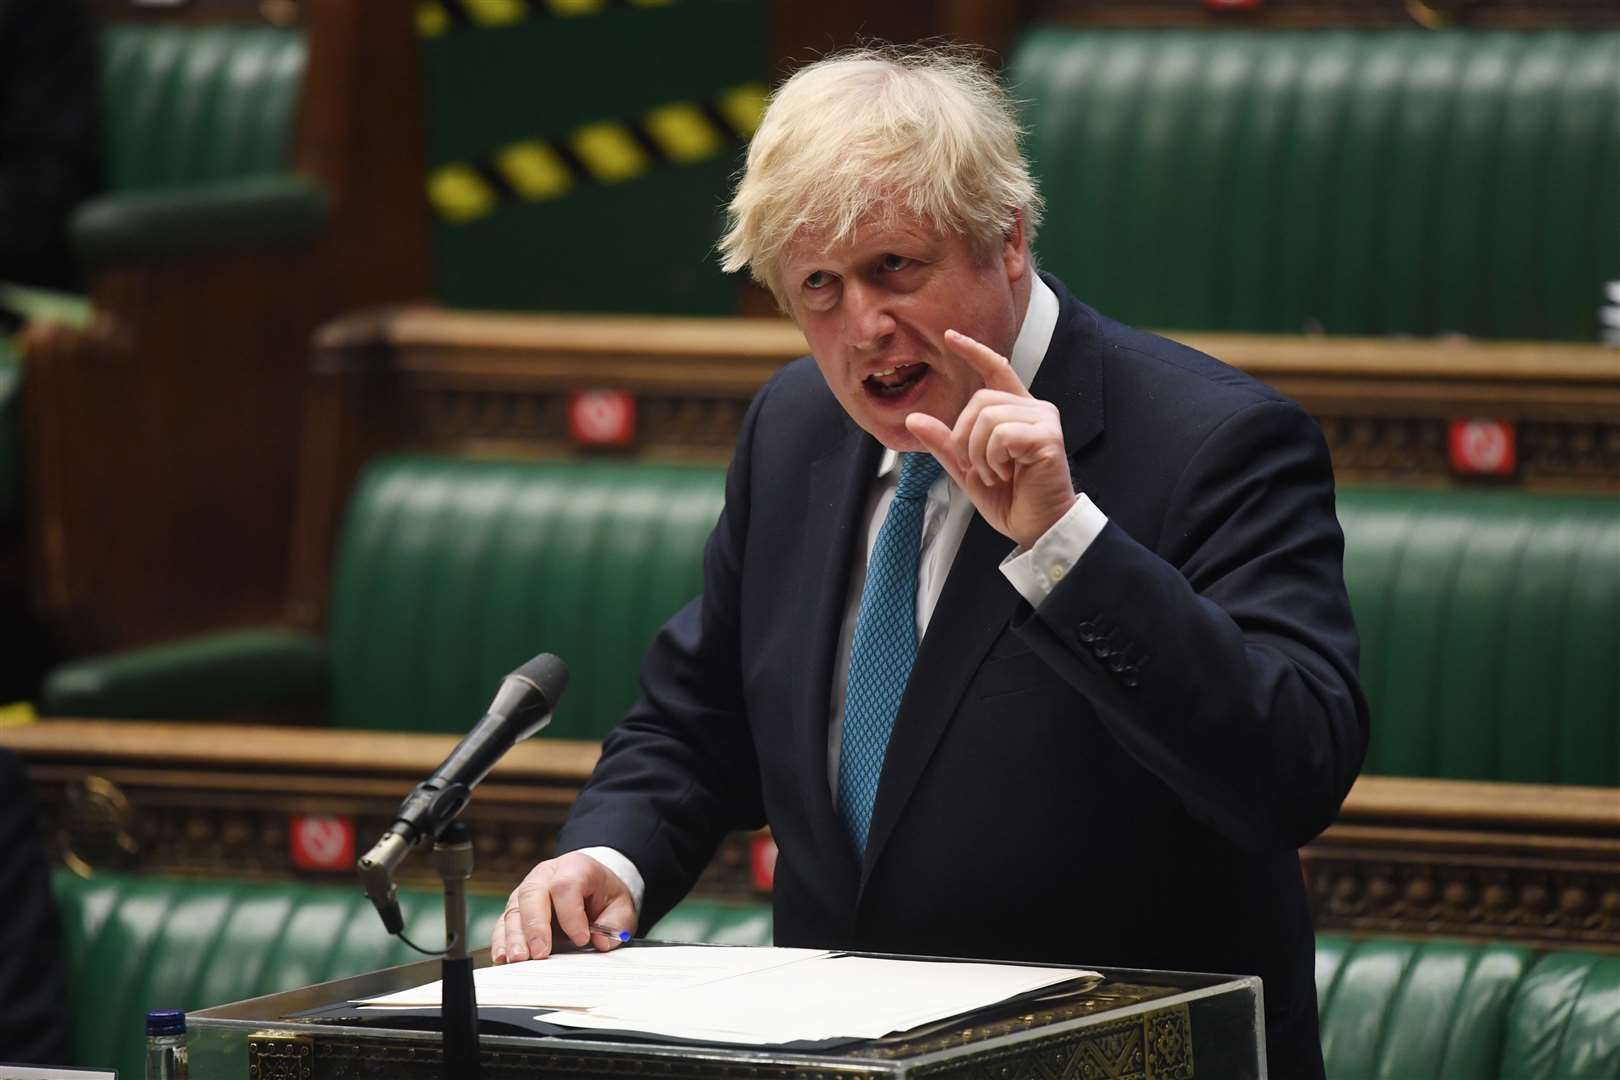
936, 439
619, 914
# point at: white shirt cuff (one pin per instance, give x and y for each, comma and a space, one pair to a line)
623, 869
1036, 572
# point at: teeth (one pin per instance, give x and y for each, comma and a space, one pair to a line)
881, 374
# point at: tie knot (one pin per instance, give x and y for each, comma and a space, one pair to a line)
918, 471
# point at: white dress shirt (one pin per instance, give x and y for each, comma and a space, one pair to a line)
1033, 572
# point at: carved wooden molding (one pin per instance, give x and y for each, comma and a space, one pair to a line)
1521, 862
1536, 864
212, 799
466, 378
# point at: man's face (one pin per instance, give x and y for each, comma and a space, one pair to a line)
875, 310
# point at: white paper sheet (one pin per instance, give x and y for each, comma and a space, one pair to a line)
753, 996
829, 997
585, 979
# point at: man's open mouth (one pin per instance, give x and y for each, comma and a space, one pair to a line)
895, 381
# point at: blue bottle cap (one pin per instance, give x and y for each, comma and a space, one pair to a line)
166, 1022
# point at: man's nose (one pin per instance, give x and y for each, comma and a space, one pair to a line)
868, 322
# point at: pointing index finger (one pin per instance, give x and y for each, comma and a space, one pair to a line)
991, 366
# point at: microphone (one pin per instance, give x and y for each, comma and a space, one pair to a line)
522, 706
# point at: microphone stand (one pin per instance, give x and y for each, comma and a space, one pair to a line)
458, 1007
520, 709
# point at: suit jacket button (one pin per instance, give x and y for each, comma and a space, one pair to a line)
1116, 664
1131, 681
1087, 631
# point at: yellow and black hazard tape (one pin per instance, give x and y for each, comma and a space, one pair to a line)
435, 17
606, 152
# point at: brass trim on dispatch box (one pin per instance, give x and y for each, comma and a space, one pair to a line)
280, 1055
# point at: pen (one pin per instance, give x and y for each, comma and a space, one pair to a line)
608, 931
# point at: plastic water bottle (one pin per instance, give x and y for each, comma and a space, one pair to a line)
166, 1045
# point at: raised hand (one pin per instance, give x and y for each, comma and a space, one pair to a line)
1006, 449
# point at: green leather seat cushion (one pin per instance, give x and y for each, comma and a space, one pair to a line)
256, 212
221, 673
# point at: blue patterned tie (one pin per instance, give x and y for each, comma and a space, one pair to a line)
884, 648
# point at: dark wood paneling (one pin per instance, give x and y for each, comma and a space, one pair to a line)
164, 441
219, 799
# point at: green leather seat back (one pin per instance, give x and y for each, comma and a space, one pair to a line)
137, 943
197, 104
1361, 182
719, 923
1490, 632
453, 572
1565, 1020
1398, 1010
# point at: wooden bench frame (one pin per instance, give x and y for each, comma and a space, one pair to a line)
1539, 865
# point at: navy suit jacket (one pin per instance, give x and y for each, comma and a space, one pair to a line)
1129, 768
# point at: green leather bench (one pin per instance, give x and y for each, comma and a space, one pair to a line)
1443, 1010
1391, 1010
449, 574
1490, 620
1357, 182
1490, 633
198, 124
139, 943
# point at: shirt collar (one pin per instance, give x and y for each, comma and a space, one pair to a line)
1034, 337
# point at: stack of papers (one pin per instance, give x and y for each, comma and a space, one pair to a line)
759, 997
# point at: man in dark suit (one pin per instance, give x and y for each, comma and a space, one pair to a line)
1073, 686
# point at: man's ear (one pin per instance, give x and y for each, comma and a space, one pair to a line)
1014, 252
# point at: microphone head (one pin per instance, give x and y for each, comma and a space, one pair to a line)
546, 673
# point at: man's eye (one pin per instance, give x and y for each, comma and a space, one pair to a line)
892, 263
817, 280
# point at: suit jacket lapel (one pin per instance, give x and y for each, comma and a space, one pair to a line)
838, 488
977, 602
1071, 375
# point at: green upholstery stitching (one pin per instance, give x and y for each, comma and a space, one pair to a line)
1490, 629
452, 572
1402, 1010
1565, 1020
1360, 182
196, 104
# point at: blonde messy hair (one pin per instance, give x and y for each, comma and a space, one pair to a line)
865, 134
